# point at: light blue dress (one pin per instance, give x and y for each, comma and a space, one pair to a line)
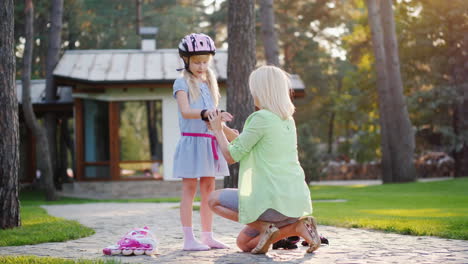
194, 157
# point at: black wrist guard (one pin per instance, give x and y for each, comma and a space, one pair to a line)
202, 114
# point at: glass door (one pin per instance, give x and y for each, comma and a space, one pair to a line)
140, 140
96, 139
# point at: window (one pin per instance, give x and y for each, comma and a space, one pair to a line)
96, 139
140, 138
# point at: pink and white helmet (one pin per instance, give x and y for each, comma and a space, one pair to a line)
196, 44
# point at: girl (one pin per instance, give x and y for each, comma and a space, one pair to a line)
273, 199
197, 155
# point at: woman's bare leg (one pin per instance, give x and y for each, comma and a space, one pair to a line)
217, 208
249, 237
245, 241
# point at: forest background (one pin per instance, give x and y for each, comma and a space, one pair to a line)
327, 43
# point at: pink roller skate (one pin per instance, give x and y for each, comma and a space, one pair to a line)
139, 241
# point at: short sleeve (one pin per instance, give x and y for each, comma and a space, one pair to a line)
254, 130
179, 85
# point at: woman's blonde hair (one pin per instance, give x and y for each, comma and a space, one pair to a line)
194, 88
271, 86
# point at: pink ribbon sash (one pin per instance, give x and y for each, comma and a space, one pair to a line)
213, 141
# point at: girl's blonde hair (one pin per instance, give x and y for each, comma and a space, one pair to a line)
194, 89
271, 86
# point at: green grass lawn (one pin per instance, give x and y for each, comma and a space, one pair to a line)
430, 209
37, 198
39, 227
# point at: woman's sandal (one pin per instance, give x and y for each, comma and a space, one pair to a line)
266, 239
311, 226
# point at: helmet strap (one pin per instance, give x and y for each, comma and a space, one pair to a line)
187, 65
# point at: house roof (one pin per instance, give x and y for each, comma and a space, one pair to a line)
129, 65
64, 93
135, 66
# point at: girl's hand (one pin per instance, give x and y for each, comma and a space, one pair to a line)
226, 117
208, 125
216, 121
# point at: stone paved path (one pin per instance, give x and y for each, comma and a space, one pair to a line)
112, 220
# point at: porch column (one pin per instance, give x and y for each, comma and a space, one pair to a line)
114, 124
79, 142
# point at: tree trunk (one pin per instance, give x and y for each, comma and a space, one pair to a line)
9, 126
331, 122
379, 54
53, 50
241, 62
270, 40
402, 134
461, 130
387, 118
459, 80
52, 58
31, 121
331, 125
67, 140
138, 20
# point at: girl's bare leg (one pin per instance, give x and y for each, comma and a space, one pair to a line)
189, 187
207, 185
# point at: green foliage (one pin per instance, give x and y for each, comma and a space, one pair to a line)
365, 143
431, 41
341, 95
106, 24
429, 209
111, 24
429, 110
433, 46
309, 155
41, 18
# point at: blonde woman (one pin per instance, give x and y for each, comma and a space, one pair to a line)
273, 199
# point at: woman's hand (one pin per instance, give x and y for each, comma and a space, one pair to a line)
216, 120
